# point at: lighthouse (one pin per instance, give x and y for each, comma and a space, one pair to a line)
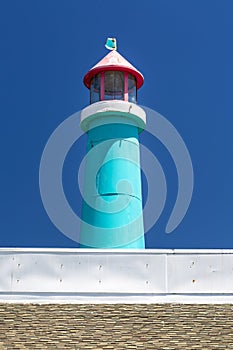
112, 211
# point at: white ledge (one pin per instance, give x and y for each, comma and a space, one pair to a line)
106, 112
116, 275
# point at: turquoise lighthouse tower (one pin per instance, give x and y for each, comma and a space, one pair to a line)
112, 215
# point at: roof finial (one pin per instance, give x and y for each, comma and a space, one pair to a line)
111, 44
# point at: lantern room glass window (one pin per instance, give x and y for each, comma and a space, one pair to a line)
95, 89
132, 89
113, 85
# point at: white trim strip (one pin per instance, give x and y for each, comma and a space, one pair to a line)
116, 299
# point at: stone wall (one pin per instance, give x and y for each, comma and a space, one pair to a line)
147, 326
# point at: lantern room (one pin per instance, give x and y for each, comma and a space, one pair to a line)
113, 78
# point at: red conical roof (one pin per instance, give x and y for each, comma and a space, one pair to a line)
113, 61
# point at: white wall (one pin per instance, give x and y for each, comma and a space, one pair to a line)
79, 272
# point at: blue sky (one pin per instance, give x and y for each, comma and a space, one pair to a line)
183, 48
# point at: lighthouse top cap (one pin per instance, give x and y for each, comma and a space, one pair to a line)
113, 61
